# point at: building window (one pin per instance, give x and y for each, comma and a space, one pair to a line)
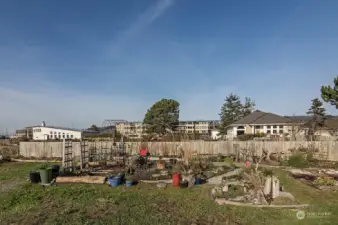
67, 135
71, 136
280, 127
268, 131
280, 131
51, 132
63, 135
275, 126
268, 127
275, 131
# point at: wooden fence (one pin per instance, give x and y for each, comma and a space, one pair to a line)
327, 150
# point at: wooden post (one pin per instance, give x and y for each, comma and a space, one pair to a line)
63, 152
81, 154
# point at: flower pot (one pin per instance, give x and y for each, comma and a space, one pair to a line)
45, 175
198, 180
114, 181
176, 177
161, 165
129, 183
55, 170
34, 177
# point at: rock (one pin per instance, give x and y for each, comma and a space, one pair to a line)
238, 199
225, 188
161, 185
237, 182
164, 173
298, 173
156, 175
275, 187
217, 192
331, 173
218, 179
190, 178
267, 186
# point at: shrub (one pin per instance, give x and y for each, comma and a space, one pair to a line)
327, 181
298, 160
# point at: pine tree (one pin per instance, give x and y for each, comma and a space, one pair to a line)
317, 108
248, 107
233, 110
318, 112
330, 94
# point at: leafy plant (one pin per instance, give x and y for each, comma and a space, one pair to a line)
234, 191
43, 166
267, 172
298, 160
229, 160
327, 181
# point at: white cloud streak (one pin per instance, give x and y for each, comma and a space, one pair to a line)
145, 19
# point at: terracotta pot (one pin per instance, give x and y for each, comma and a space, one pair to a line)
161, 165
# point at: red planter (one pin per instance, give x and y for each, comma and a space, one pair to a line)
176, 179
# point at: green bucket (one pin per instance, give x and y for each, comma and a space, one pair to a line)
46, 175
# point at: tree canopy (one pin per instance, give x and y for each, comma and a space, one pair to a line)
330, 94
93, 128
233, 109
316, 108
162, 117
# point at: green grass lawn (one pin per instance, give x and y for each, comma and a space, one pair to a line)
24, 203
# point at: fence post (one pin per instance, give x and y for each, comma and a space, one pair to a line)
63, 152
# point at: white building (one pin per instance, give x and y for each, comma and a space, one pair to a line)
54, 133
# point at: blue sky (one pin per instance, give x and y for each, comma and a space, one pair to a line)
75, 63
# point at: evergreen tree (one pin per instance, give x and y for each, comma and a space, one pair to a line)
330, 94
317, 108
248, 107
233, 110
318, 112
163, 116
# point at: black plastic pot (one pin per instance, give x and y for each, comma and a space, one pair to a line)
184, 184
34, 177
55, 170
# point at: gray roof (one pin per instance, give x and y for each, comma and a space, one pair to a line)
259, 117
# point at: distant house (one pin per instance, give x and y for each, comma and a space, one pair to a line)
260, 122
327, 125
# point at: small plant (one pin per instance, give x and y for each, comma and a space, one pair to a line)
326, 181
267, 172
234, 191
43, 166
298, 160
229, 160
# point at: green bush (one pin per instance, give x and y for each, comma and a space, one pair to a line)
298, 160
327, 181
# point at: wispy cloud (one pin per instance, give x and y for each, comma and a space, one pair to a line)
144, 19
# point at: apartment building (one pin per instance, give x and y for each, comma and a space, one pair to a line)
136, 129
131, 129
199, 126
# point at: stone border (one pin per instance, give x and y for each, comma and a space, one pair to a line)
222, 201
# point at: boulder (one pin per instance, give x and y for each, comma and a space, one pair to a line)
298, 173
267, 186
275, 187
